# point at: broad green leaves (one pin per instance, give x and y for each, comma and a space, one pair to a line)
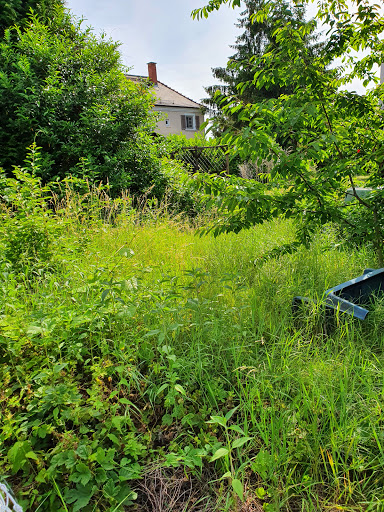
213, 5
221, 452
237, 443
80, 496
238, 488
317, 140
19, 454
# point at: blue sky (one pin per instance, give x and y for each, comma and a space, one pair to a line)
163, 31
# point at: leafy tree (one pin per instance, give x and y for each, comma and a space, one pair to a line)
64, 88
17, 11
334, 136
257, 37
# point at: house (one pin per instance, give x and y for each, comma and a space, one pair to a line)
181, 114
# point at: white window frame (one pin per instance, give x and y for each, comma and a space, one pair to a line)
193, 116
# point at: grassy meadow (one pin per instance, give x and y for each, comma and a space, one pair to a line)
146, 368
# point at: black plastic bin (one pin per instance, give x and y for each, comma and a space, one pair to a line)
351, 296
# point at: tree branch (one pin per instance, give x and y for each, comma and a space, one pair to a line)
331, 129
361, 201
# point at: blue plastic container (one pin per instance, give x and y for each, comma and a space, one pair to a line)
351, 296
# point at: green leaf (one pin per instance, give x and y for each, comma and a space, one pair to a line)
263, 464
152, 333
230, 413
240, 442
105, 458
218, 420
83, 451
125, 252
100, 475
80, 496
41, 476
31, 455
113, 438
221, 452
238, 488
167, 419
125, 497
104, 294
237, 429
117, 421
111, 489
131, 472
180, 389
261, 493
161, 389
17, 455
34, 329
83, 474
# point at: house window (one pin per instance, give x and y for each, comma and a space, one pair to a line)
189, 122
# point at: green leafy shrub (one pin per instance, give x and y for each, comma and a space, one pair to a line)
177, 190
362, 223
175, 142
16, 11
319, 138
31, 236
64, 88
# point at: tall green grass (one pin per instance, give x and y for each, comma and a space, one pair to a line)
118, 349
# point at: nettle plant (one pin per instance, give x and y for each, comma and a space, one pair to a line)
320, 139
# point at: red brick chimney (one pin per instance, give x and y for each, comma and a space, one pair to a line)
152, 73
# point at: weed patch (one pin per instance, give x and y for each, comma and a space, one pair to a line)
149, 368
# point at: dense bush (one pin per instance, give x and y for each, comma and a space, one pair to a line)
64, 88
318, 139
31, 238
16, 11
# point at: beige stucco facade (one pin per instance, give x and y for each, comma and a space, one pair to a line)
177, 113
170, 120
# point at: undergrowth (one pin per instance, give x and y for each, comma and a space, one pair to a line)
145, 368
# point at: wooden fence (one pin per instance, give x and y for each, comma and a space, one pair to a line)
210, 159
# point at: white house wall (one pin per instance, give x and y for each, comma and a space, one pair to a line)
173, 114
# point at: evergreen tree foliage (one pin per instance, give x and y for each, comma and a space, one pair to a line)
258, 37
63, 88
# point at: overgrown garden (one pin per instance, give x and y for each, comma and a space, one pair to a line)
149, 356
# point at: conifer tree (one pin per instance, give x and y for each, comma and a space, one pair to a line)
257, 38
